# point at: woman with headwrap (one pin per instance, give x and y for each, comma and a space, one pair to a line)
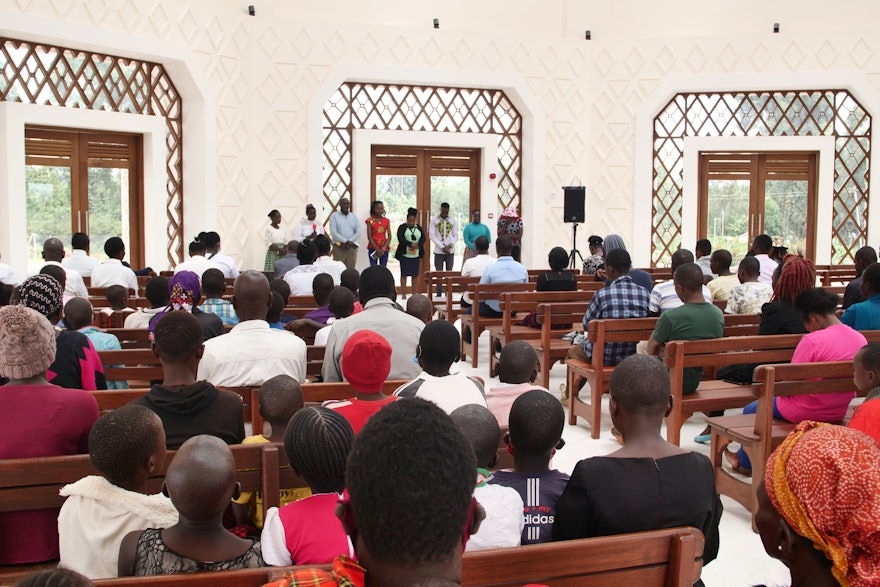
510, 224
38, 419
639, 276
819, 506
184, 292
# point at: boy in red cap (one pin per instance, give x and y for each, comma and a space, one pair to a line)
365, 363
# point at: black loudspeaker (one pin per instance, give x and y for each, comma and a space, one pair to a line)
574, 204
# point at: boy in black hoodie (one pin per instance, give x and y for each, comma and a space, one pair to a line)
188, 407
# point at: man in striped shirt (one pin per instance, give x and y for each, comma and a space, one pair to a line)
663, 296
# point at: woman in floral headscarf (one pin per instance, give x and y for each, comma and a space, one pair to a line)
510, 224
184, 291
819, 506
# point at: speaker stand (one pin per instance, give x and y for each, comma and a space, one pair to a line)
575, 254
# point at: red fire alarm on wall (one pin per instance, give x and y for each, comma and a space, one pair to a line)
492, 176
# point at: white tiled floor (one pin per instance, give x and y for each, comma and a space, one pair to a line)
741, 560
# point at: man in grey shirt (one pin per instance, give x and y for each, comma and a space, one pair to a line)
381, 315
345, 230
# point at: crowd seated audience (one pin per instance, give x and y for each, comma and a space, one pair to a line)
200, 483
187, 405
197, 262
38, 419
126, 446
307, 532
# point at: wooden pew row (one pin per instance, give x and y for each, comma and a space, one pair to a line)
670, 557
518, 305
551, 347
597, 373
717, 394
835, 274
473, 324
760, 433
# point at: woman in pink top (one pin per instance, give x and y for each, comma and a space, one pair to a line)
307, 532
827, 339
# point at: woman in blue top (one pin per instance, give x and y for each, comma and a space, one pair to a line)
866, 315
471, 232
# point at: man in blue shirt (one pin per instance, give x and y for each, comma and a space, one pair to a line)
345, 230
503, 270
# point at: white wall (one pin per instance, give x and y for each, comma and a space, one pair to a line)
261, 75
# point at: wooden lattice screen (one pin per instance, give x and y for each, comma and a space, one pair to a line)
36, 73
419, 108
780, 113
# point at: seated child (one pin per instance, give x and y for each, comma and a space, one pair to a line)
536, 423
79, 315
307, 531
366, 363
420, 306
350, 280
503, 524
126, 446
188, 407
866, 315
516, 369
322, 285
341, 304
213, 288
117, 299
438, 348
282, 288
200, 482
417, 537
280, 398
273, 315
866, 374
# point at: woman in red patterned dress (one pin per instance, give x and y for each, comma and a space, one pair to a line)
378, 234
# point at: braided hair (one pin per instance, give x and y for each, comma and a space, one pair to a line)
797, 275
317, 444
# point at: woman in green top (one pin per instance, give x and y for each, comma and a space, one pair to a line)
410, 250
471, 232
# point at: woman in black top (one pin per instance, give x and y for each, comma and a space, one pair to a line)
558, 278
410, 250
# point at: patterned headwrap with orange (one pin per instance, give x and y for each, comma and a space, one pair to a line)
825, 482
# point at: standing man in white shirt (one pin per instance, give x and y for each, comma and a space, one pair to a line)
444, 234
53, 254
761, 250
251, 352
79, 259
197, 263
345, 231
112, 271
212, 253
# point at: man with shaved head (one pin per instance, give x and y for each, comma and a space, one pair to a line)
516, 369
200, 482
53, 254
252, 352
695, 319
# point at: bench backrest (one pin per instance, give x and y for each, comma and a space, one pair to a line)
131, 338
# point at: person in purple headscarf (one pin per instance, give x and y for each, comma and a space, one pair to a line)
184, 291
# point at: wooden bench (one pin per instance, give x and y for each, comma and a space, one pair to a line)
632, 330
138, 365
449, 307
518, 305
668, 558
551, 347
835, 274
473, 324
131, 338
760, 433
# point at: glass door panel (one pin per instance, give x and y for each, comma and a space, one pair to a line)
728, 216
108, 209
48, 208
785, 212
455, 191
